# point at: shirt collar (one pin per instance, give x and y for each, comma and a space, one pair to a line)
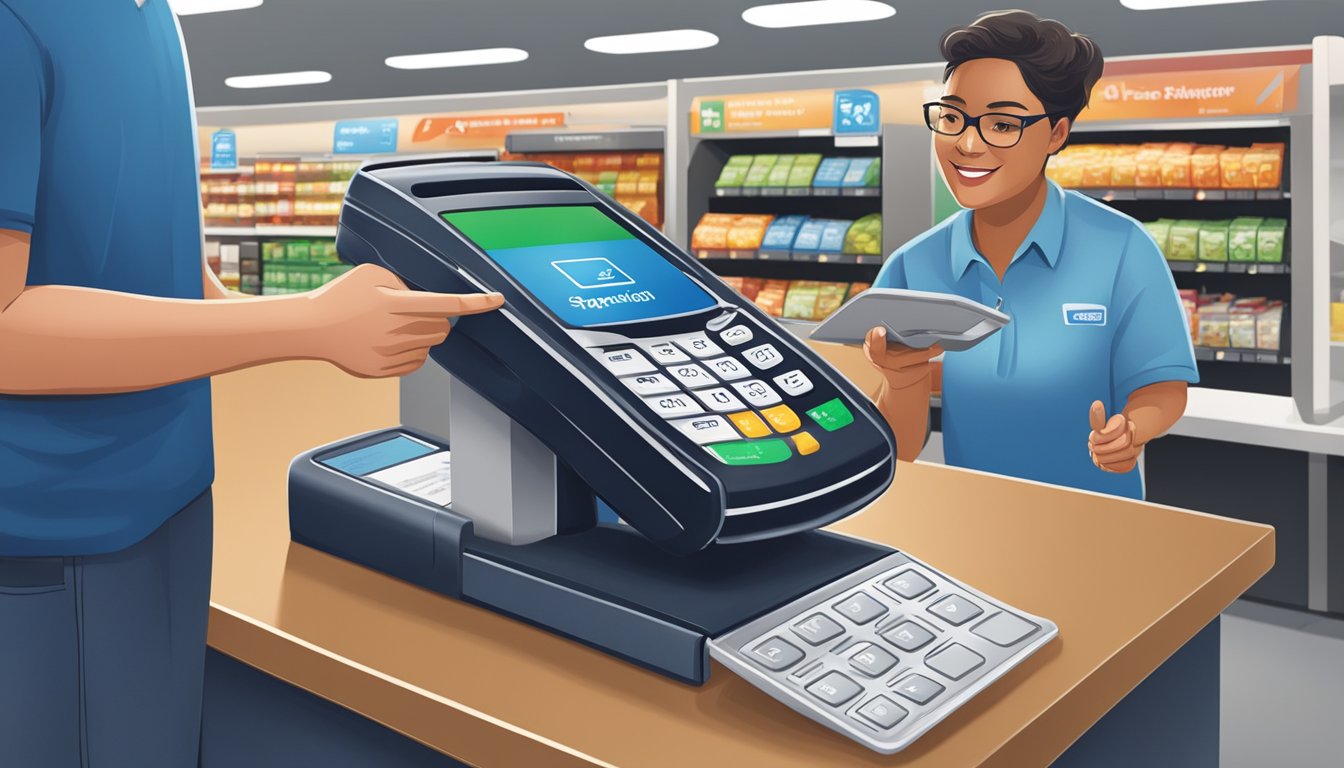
1046, 235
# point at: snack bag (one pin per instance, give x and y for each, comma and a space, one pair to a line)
1213, 241
1241, 238
1097, 167
1214, 325
1205, 172
779, 174
1124, 166
1270, 240
800, 302
833, 236
1148, 165
873, 176
759, 170
865, 237
1183, 241
1190, 303
1160, 230
1269, 172
808, 242
735, 171
858, 172
1175, 166
1241, 330
1268, 329
712, 231
804, 168
780, 235
831, 172
747, 232
829, 298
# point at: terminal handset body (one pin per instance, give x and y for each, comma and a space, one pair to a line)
669, 394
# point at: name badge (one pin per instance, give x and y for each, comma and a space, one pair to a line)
1084, 314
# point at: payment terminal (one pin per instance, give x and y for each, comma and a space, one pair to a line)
620, 368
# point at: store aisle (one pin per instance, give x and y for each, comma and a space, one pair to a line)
1282, 688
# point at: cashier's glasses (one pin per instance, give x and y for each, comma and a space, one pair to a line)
998, 129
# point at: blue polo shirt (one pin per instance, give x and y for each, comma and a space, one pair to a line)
98, 162
1095, 316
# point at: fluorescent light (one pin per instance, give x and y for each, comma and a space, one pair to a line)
1158, 5
654, 42
277, 79
193, 7
816, 12
473, 58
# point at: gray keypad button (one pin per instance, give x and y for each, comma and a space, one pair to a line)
1004, 629
882, 712
909, 584
650, 384
737, 335
624, 362
776, 654
918, 689
692, 376
872, 661
955, 661
860, 608
955, 609
908, 636
818, 628
666, 353
834, 689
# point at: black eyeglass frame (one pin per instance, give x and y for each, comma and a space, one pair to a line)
1026, 120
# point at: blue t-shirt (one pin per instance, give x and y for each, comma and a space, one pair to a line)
1095, 316
98, 160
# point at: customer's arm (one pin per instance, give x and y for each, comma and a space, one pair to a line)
66, 340
903, 396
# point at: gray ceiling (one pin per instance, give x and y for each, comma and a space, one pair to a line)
350, 39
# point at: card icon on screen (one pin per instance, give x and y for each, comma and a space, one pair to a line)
592, 273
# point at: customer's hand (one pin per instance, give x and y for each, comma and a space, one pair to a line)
1113, 443
369, 324
900, 365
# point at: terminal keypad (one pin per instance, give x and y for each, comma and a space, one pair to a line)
737, 373
879, 655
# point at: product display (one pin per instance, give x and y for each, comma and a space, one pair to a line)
865, 237
771, 174
1170, 165
295, 266
1223, 321
633, 179
1244, 239
795, 237
810, 300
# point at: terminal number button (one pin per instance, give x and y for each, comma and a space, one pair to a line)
728, 369
918, 689
806, 444
672, 406
750, 424
882, 712
860, 608
698, 344
834, 689
692, 376
908, 636
1004, 629
624, 362
794, 383
751, 453
776, 654
650, 384
764, 356
666, 353
757, 392
832, 415
818, 628
783, 419
719, 399
909, 584
955, 610
872, 661
737, 335
707, 429
955, 661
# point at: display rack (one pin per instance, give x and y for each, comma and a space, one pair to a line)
628, 164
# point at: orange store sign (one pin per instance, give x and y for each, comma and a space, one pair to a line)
432, 128
1207, 93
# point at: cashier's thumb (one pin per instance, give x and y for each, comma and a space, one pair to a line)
1097, 416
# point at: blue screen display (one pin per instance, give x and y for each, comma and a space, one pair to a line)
603, 282
379, 456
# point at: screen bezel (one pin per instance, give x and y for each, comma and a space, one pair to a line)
618, 218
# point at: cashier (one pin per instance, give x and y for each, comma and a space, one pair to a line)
1097, 358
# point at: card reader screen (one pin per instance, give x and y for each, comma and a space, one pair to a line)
372, 458
582, 264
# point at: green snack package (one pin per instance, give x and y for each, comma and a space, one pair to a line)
801, 301
804, 168
1213, 237
272, 250
779, 174
873, 176
734, 171
760, 170
1241, 238
829, 298
1160, 230
298, 250
865, 237
1183, 241
1269, 241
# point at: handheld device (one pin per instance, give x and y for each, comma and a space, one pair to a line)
916, 319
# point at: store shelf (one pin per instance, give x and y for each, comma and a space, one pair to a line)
1231, 267
1197, 195
245, 170
798, 192
271, 230
1253, 419
1257, 356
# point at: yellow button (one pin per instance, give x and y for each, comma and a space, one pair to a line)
749, 424
782, 418
806, 443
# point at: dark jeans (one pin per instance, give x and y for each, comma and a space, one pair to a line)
102, 657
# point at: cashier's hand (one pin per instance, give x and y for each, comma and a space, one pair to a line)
900, 365
370, 325
1113, 443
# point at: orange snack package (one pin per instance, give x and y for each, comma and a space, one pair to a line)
1269, 173
1124, 166
1147, 165
1205, 172
747, 232
1232, 167
712, 231
1097, 167
1175, 165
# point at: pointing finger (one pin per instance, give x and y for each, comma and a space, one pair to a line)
443, 304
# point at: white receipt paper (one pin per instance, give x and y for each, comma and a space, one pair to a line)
917, 319
429, 478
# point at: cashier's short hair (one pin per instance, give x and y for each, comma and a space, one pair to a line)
1058, 66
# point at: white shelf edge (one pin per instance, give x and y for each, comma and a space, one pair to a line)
267, 230
1181, 124
1247, 418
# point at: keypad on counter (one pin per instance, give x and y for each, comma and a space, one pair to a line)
718, 378
884, 653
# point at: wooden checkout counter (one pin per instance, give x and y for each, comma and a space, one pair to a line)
1129, 584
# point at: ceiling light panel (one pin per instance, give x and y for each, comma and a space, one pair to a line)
816, 12
653, 42
474, 58
1160, 5
193, 7
278, 79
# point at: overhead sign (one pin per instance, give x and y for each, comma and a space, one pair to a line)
431, 128
1202, 93
364, 137
857, 112
224, 150
799, 110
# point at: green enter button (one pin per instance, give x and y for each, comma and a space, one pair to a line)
832, 415
746, 453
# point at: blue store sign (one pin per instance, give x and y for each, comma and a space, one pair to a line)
857, 112
224, 150
364, 137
